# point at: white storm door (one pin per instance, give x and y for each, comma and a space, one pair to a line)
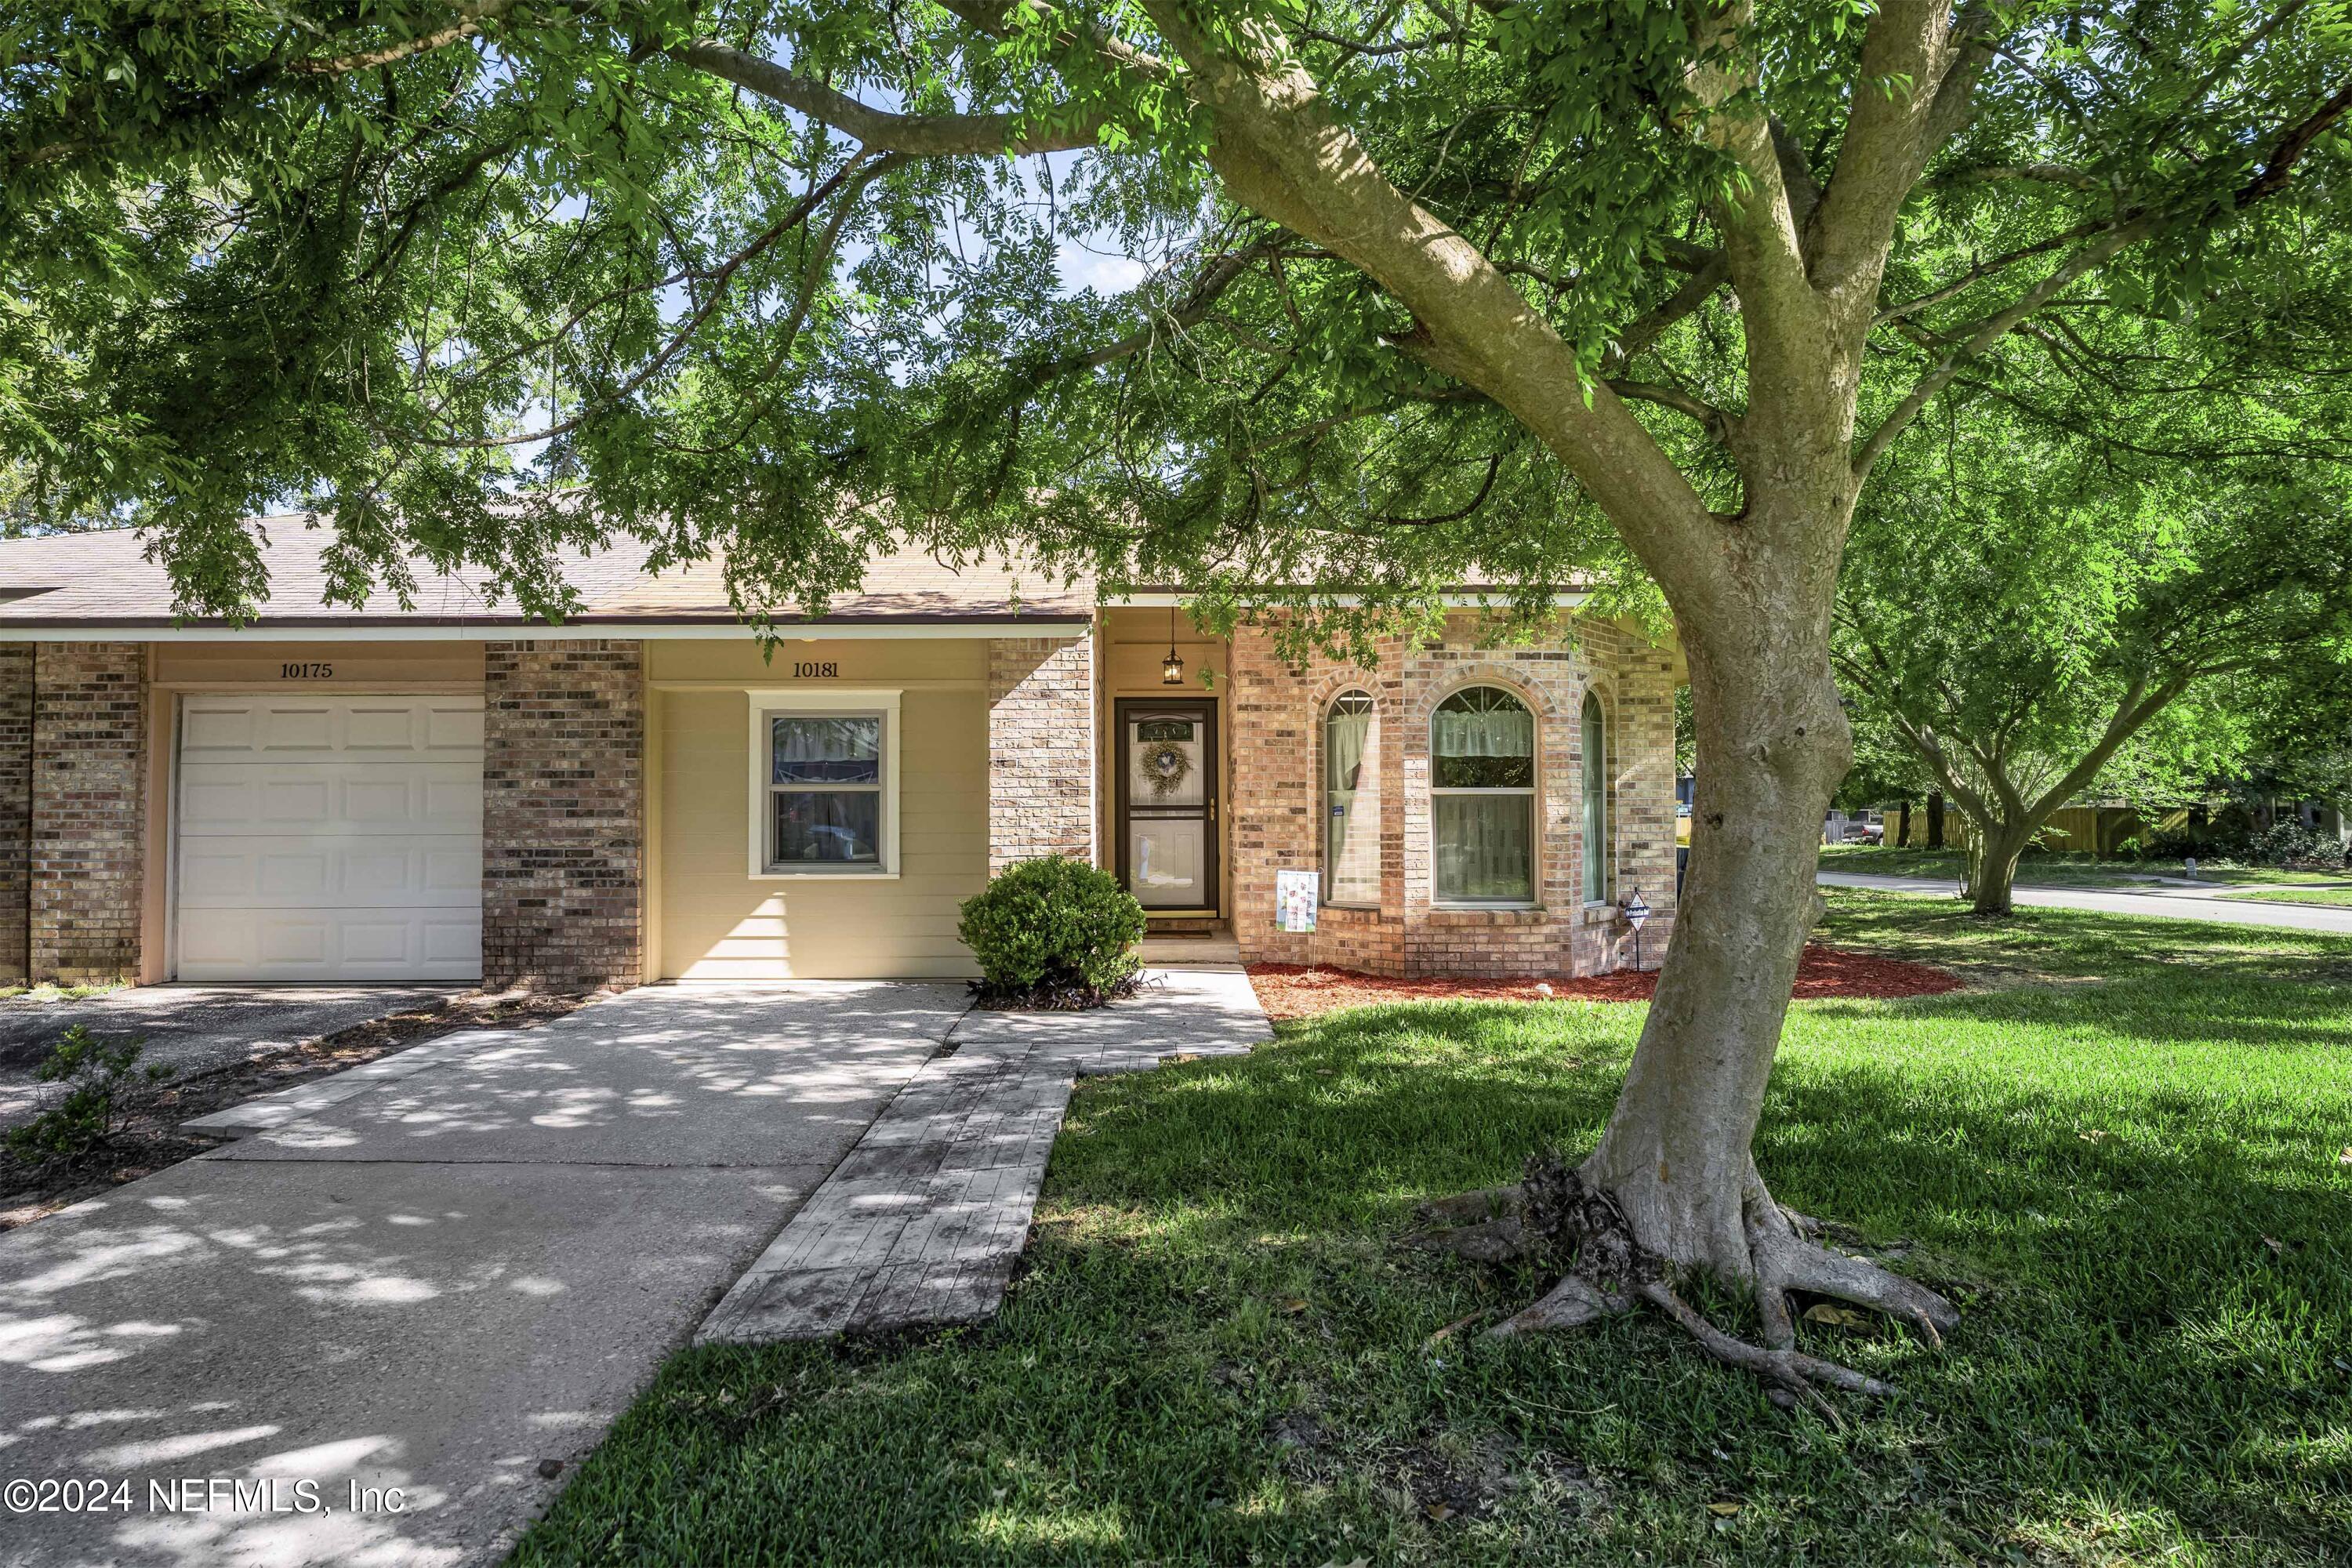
330, 839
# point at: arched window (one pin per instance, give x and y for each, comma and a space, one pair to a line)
1351, 799
1482, 778
1596, 804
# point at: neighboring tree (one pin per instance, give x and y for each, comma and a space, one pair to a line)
1652, 286
2029, 624
2301, 722
1885, 770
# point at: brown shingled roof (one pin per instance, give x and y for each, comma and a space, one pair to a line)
103, 578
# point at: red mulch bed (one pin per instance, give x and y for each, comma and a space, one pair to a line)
1297, 991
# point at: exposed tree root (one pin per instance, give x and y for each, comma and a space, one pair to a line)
1554, 1216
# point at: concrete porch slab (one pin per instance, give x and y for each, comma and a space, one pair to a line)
1178, 1010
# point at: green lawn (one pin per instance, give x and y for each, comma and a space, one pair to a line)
2337, 895
2056, 870
2120, 1153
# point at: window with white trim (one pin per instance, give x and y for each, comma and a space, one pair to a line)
825, 781
1351, 790
1482, 774
1596, 802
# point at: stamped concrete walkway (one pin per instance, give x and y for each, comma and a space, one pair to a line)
438, 1279
922, 1224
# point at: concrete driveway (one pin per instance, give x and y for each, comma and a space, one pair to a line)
439, 1284
2173, 902
191, 1027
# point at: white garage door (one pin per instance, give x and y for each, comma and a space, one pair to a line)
330, 839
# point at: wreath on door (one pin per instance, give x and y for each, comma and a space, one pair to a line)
1167, 764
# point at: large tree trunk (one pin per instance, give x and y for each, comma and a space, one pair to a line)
1672, 1189
1935, 819
1993, 866
1675, 1154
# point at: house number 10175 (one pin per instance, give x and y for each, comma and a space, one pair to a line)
306, 671
826, 672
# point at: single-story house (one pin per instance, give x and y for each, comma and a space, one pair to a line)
448, 791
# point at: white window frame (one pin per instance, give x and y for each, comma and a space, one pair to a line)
799, 702
1371, 760
1592, 793
1532, 791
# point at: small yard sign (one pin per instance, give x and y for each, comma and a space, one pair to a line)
1296, 894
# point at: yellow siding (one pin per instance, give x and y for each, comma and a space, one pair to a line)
715, 921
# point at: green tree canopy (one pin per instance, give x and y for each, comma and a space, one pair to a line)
769, 280
2032, 618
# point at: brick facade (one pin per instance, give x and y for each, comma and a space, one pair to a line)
89, 822
16, 812
1041, 749
1278, 816
563, 814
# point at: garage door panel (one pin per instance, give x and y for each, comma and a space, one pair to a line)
452, 798
297, 873
456, 870
287, 730
381, 729
348, 797
335, 945
277, 940
453, 729
377, 802
451, 943
329, 840
374, 941
260, 731
211, 728
208, 800
281, 803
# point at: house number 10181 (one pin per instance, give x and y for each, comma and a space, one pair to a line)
826, 672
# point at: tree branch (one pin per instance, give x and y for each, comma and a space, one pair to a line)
2293, 146
917, 135
1281, 152
1714, 420
1991, 330
1696, 290
1906, 56
468, 22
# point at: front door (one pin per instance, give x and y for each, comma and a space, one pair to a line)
1168, 804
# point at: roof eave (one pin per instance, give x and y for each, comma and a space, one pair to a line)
462, 628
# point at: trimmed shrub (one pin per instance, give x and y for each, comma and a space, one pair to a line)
1052, 932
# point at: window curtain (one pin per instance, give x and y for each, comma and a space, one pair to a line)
1352, 865
829, 751
1483, 848
1504, 732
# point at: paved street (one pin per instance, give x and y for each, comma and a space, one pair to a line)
2172, 903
